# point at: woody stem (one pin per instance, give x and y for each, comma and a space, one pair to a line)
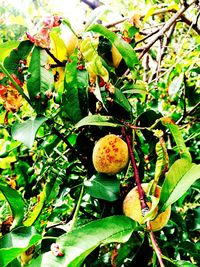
144, 206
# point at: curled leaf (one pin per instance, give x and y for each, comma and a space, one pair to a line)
93, 61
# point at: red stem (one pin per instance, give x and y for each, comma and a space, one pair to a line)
142, 196
155, 245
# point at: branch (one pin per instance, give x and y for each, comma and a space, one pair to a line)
157, 12
189, 23
167, 39
162, 49
59, 63
142, 196
193, 109
155, 245
177, 62
189, 113
166, 27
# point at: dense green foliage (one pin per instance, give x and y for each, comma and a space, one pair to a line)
131, 70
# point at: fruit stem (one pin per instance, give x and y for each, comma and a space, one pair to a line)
142, 195
155, 245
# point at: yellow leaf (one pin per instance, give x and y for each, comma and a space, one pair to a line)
58, 47
149, 13
59, 50
93, 61
5, 162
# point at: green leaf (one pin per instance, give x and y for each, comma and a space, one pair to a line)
53, 189
79, 243
12, 62
121, 100
25, 132
125, 49
98, 120
195, 222
130, 248
140, 87
40, 83
162, 159
15, 201
179, 178
68, 24
6, 48
33, 215
181, 263
74, 96
182, 149
151, 214
103, 187
16, 242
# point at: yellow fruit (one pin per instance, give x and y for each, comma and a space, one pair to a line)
70, 40
71, 44
132, 208
110, 154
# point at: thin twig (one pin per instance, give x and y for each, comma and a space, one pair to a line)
190, 23
164, 42
74, 219
158, 12
159, 56
189, 113
177, 62
167, 40
146, 67
65, 140
146, 37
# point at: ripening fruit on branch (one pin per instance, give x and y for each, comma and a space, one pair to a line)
110, 154
70, 39
132, 208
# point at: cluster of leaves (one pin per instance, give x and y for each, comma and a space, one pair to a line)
56, 209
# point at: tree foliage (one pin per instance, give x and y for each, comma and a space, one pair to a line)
61, 90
